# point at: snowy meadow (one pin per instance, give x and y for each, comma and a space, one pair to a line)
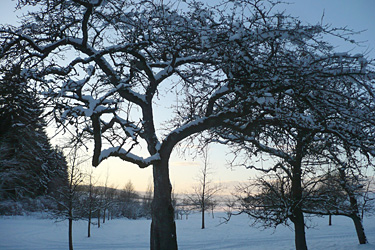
34, 232
135, 80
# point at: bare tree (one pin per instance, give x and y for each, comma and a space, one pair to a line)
288, 184
368, 198
184, 208
129, 205
269, 199
110, 201
120, 53
205, 191
147, 201
68, 197
90, 203
315, 105
341, 193
106, 199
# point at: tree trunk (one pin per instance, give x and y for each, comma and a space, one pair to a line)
203, 200
299, 230
89, 225
203, 217
298, 218
70, 221
204, 187
70, 233
359, 229
163, 227
330, 220
98, 218
104, 215
90, 209
354, 208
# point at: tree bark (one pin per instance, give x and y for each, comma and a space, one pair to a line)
357, 220
98, 218
70, 233
90, 209
359, 229
163, 226
203, 197
299, 230
104, 211
89, 225
354, 208
298, 218
330, 220
203, 217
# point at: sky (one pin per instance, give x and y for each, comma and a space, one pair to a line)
184, 170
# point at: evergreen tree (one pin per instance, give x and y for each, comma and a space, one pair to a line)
29, 166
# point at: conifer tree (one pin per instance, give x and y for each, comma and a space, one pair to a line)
29, 166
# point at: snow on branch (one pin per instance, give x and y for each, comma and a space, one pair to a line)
128, 156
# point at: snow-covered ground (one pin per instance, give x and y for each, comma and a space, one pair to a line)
31, 232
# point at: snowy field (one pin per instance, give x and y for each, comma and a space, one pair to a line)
32, 233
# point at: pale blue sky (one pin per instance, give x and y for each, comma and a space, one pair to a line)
355, 14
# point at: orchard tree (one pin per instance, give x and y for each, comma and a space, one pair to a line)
269, 199
102, 65
305, 131
266, 199
343, 193
314, 104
